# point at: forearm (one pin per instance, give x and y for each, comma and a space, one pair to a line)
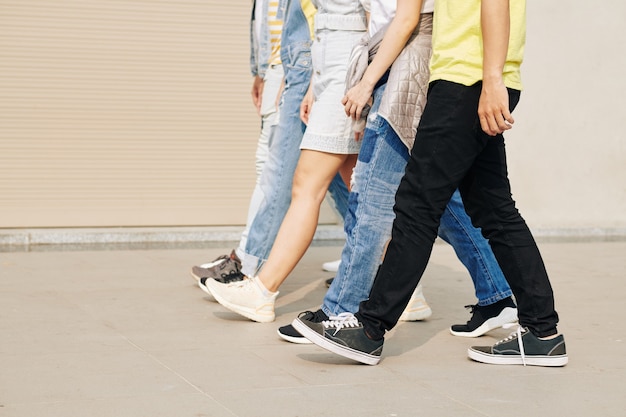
495, 23
398, 33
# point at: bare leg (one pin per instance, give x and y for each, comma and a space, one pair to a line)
313, 174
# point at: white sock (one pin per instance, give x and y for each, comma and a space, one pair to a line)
266, 293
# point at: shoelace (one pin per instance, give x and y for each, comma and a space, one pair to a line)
471, 307
245, 284
340, 321
516, 334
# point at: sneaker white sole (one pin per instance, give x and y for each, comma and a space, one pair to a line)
205, 289
252, 314
298, 340
516, 359
331, 346
331, 266
507, 315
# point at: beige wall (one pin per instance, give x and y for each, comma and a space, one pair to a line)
567, 152
125, 113
133, 113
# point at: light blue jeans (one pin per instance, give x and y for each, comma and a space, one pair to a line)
284, 145
269, 119
367, 224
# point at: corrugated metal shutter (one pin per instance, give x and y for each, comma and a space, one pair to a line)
125, 113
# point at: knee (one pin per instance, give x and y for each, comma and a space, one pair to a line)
305, 191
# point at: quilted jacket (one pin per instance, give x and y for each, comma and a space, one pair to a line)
405, 94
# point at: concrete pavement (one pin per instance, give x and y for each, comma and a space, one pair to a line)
126, 332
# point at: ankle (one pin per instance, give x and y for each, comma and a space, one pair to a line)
266, 292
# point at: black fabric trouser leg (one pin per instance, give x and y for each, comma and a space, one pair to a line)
451, 151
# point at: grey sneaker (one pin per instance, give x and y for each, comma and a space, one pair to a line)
343, 335
522, 348
219, 268
290, 334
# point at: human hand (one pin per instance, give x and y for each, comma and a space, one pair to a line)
257, 93
356, 100
306, 106
493, 108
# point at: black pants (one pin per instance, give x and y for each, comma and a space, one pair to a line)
451, 151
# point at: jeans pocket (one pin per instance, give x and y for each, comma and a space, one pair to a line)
299, 56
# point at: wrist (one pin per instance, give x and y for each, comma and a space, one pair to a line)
368, 82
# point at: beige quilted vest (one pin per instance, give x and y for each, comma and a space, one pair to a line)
405, 94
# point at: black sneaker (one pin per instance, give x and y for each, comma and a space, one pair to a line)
219, 268
224, 279
343, 335
486, 318
522, 348
329, 281
290, 334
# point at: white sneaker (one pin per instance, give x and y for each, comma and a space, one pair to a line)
418, 308
245, 298
331, 266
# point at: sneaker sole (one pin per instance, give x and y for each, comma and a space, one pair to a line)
247, 313
205, 289
298, 340
416, 315
507, 315
478, 356
328, 267
331, 346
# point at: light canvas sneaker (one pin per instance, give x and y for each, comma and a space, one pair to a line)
245, 298
418, 308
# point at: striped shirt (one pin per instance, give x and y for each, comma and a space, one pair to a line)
275, 27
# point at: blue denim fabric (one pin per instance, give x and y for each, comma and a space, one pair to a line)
284, 144
269, 120
474, 252
370, 216
259, 48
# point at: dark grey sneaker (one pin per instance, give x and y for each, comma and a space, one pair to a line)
219, 268
343, 335
328, 282
486, 318
290, 334
522, 348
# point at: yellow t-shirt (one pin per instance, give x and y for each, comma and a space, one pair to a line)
458, 43
309, 11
